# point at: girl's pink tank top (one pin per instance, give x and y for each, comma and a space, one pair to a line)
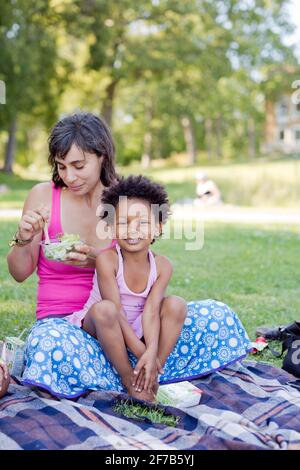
62, 289
133, 303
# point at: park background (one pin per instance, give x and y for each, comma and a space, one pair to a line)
184, 86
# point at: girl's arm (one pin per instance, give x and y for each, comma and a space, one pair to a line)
151, 316
151, 327
106, 268
22, 260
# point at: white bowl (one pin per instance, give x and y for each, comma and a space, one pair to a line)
58, 250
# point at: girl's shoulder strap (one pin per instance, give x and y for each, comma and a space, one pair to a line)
120, 259
153, 268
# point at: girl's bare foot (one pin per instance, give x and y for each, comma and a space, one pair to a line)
143, 395
155, 388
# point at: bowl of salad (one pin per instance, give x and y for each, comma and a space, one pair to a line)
61, 246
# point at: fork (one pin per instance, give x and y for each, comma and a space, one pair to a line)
46, 233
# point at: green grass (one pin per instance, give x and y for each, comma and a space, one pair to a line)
267, 356
252, 269
18, 189
141, 412
260, 183
17, 301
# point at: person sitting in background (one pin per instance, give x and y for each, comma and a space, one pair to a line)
206, 190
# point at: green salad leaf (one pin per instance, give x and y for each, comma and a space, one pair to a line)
58, 250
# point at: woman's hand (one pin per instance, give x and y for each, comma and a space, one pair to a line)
83, 255
32, 223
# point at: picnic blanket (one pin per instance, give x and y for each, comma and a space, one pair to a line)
245, 406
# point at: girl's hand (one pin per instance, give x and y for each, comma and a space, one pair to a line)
139, 381
32, 223
147, 362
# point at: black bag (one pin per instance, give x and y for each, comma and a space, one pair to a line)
291, 344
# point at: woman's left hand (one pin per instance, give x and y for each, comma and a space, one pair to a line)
81, 256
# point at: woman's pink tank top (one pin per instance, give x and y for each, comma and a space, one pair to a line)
62, 289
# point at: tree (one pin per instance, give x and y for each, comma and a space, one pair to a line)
28, 66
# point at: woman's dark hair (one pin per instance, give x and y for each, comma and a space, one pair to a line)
137, 187
89, 133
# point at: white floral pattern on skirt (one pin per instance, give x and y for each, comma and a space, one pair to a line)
67, 361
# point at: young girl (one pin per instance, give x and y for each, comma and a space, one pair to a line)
130, 309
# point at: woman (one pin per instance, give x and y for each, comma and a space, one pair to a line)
60, 356
81, 154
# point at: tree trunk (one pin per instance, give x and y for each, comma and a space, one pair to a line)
208, 137
148, 137
251, 138
146, 157
10, 147
107, 108
189, 138
219, 137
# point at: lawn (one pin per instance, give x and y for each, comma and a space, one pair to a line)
259, 183
253, 269
18, 189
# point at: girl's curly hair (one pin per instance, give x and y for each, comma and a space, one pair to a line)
137, 187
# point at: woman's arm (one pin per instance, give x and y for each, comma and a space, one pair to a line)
151, 317
106, 266
22, 259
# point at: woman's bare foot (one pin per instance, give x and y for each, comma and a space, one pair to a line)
4, 386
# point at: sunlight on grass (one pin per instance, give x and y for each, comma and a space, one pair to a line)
142, 412
252, 269
258, 184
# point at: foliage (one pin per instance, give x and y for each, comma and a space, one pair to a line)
147, 67
28, 64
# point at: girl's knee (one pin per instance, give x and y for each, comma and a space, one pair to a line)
104, 312
175, 306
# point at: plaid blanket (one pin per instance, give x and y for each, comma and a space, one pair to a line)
246, 406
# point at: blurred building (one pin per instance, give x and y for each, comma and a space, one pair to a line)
282, 127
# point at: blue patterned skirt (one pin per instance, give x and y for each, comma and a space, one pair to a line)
67, 361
